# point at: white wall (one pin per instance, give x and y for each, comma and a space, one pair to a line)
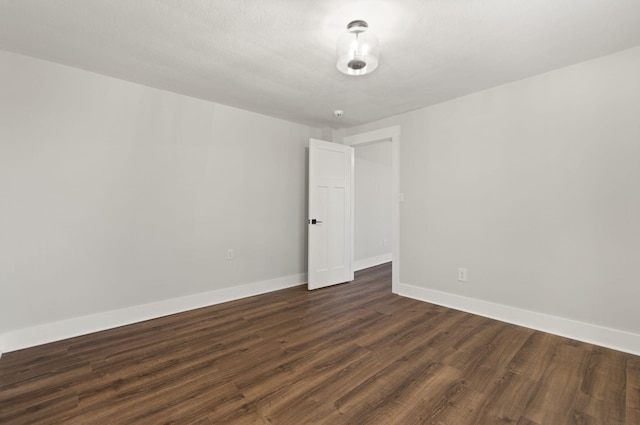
114, 195
372, 204
534, 187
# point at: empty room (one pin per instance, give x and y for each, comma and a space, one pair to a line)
287, 212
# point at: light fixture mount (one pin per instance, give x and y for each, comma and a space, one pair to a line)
357, 26
357, 51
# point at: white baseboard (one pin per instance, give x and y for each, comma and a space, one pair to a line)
56, 331
581, 331
365, 263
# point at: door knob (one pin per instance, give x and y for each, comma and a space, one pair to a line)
314, 221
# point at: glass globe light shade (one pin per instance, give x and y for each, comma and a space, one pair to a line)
358, 50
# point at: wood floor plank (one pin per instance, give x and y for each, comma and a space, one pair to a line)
553, 402
294, 390
490, 363
350, 354
510, 396
440, 394
535, 356
633, 391
604, 385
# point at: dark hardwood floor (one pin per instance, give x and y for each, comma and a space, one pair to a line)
349, 354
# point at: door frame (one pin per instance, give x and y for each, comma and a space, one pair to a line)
391, 134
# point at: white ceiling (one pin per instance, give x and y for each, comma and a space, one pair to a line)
277, 57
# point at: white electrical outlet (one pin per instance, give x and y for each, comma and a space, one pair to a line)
229, 254
385, 242
462, 274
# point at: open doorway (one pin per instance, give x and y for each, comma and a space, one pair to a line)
372, 204
391, 136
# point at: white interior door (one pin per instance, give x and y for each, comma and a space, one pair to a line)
330, 219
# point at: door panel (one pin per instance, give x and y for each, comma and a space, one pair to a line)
330, 193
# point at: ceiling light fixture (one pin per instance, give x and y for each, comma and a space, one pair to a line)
357, 51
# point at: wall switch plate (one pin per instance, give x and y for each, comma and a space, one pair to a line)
229, 254
462, 274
